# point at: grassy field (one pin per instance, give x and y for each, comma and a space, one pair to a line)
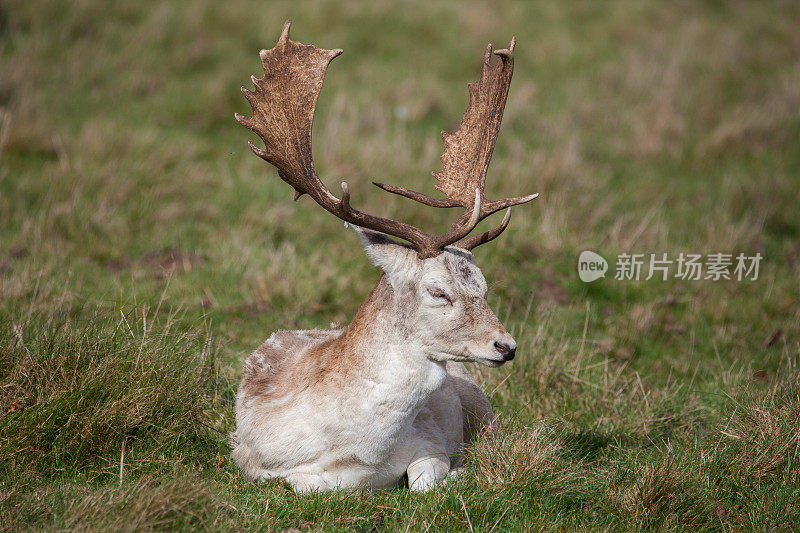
144, 252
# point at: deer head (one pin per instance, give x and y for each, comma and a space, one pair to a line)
438, 305
434, 278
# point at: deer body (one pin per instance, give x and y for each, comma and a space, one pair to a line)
387, 396
361, 406
359, 436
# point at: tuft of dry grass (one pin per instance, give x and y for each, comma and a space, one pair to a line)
659, 492
73, 397
763, 433
518, 456
147, 505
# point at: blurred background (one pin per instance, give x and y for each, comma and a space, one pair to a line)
130, 202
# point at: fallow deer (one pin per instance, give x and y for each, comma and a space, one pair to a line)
362, 406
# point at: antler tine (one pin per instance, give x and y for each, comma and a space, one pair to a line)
493, 206
471, 241
487, 207
418, 196
460, 230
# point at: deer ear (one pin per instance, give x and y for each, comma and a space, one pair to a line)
397, 260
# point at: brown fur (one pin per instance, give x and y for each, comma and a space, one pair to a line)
312, 357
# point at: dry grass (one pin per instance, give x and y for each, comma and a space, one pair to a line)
765, 434
517, 457
148, 504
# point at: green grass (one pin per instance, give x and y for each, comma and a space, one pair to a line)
144, 252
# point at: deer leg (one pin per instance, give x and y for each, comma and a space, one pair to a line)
427, 470
307, 482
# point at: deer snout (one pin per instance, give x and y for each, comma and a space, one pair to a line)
506, 348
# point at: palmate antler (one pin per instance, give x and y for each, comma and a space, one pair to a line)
283, 110
468, 151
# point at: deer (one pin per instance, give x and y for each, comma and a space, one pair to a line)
386, 400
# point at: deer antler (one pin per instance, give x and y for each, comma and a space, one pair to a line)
283, 105
468, 151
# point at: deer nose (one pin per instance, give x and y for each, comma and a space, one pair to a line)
506, 350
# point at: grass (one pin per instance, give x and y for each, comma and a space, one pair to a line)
144, 252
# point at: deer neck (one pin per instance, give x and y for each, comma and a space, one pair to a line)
387, 353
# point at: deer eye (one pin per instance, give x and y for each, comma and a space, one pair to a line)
439, 294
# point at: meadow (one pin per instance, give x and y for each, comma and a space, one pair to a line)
145, 252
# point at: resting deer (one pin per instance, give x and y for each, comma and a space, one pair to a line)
362, 406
